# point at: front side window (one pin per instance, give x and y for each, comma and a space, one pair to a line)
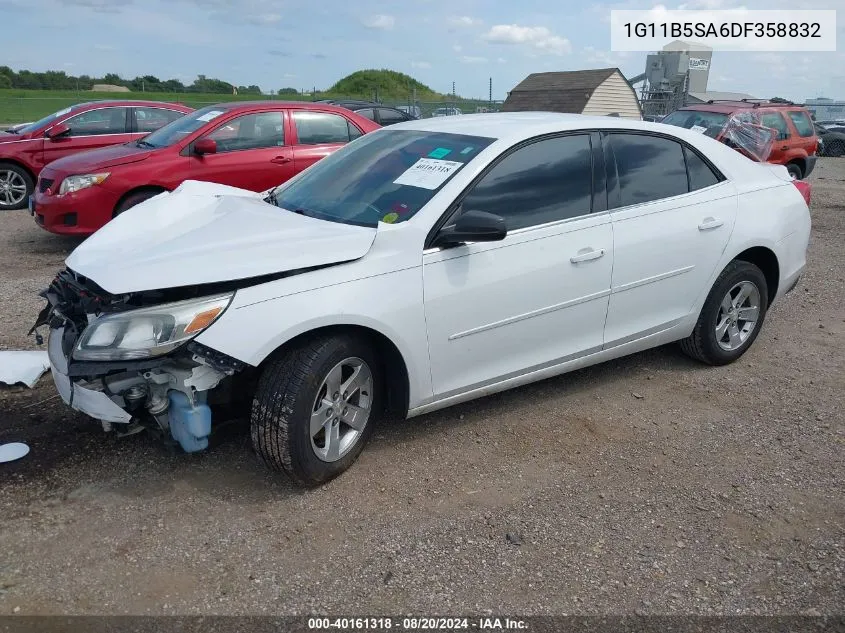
775, 121
250, 131
648, 168
317, 128
47, 119
151, 119
98, 122
802, 122
545, 181
386, 176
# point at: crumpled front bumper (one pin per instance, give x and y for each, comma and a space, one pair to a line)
76, 395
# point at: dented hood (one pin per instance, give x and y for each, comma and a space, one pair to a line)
205, 233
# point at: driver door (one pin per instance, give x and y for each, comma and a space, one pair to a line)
497, 310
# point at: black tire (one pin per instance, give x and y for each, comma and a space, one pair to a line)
702, 344
795, 171
19, 173
284, 401
135, 198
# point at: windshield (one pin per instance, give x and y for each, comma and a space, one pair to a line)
176, 130
696, 120
385, 176
42, 122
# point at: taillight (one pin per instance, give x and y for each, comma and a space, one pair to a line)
805, 189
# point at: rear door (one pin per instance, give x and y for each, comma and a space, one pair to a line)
318, 134
91, 129
672, 215
251, 153
786, 143
803, 126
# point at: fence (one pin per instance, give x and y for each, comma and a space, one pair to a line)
17, 109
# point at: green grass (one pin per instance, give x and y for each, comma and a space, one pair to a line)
17, 106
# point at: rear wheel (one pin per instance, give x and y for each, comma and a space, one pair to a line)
16, 185
795, 171
731, 317
315, 407
133, 199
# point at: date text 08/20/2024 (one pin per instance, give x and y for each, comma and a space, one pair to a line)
416, 624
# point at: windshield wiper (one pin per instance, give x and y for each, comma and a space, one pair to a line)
143, 143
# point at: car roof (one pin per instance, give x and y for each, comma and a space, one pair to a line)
100, 103
726, 107
275, 103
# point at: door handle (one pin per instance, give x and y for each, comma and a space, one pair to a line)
280, 160
586, 254
708, 224
784, 148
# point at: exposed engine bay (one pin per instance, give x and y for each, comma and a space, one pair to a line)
169, 393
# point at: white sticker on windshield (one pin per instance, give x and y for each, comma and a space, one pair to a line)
428, 173
699, 128
61, 112
213, 114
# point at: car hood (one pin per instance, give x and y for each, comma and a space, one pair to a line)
205, 233
7, 137
103, 158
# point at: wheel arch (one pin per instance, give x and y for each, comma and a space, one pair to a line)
767, 261
394, 366
22, 165
142, 189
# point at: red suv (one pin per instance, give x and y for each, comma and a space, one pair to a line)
795, 142
25, 150
251, 145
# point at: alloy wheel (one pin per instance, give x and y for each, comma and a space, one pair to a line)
12, 188
738, 315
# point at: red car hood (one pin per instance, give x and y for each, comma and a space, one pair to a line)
6, 137
103, 158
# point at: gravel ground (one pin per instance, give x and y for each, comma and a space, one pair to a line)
646, 485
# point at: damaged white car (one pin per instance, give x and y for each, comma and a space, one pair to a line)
420, 266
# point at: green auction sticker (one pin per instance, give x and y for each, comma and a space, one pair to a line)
440, 152
390, 218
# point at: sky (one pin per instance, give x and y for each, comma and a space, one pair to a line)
300, 44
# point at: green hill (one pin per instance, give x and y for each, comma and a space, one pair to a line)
387, 84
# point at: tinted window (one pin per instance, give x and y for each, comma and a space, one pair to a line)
690, 119
367, 113
97, 122
648, 168
776, 121
543, 182
700, 174
389, 117
354, 132
801, 122
250, 131
387, 176
151, 119
314, 128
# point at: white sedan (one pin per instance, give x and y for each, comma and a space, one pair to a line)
422, 265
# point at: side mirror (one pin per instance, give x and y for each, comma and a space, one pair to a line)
205, 146
472, 226
58, 130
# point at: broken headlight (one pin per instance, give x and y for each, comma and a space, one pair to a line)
148, 332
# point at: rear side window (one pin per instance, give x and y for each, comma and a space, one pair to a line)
776, 121
316, 128
150, 119
648, 168
367, 113
389, 117
700, 174
802, 122
98, 122
546, 181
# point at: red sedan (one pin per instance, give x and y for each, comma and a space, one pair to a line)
251, 145
25, 150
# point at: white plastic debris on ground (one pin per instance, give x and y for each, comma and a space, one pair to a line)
12, 451
23, 367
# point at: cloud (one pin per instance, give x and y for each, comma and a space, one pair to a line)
277, 53
381, 22
539, 38
288, 75
420, 65
457, 48
463, 21
471, 59
264, 19
101, 6
319, 56
502, 60
607, 58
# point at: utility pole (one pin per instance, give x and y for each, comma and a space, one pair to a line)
490, 92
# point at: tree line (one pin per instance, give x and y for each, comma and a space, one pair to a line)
60, 80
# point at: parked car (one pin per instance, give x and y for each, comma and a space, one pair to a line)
253, 145
832, 123
414, 111
381, 114
425, 264
437, 112
831, 143
795, 141
25, 150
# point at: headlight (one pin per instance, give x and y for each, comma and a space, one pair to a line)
75, 183
148, 332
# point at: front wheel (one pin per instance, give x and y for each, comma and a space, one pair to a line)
731, 317
16, 185
315, 407
795, 171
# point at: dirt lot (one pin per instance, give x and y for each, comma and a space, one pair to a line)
650, 485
